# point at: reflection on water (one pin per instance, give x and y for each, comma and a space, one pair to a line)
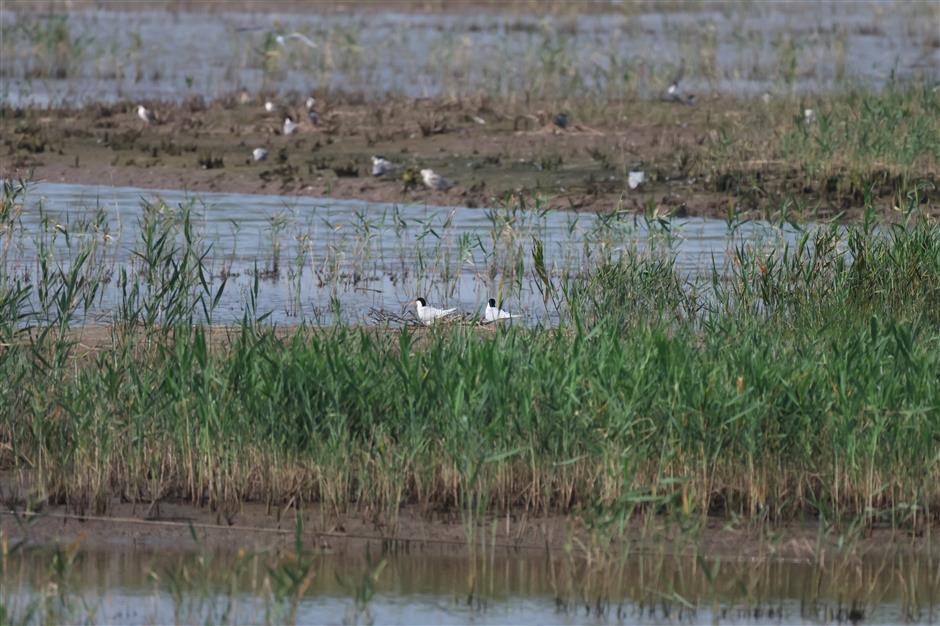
735, 48
653, 587
316, 258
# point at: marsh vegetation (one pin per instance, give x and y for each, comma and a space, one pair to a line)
795, 381
745, 341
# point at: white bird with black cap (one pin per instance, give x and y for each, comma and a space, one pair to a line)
290, 126
494, 314
429, 314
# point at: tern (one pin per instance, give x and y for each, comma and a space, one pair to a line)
635, 178
429, 314
561, 120
282, 39
493, 313
290, 125
382, 166
674, 94
146, 114
435, 181
310, 103
259, 154
809, 116
269, 106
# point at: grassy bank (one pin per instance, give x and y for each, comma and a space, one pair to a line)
799, 382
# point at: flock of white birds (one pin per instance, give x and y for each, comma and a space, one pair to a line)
431, 179
380, 167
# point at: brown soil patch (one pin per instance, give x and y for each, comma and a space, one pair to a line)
516, 154
173, 526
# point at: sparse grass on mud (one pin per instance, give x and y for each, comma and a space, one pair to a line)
723, 155
844, 150
800, 383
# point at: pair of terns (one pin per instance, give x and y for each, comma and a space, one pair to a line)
429, 314
290, 124
431, 179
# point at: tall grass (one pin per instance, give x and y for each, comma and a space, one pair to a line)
800, 382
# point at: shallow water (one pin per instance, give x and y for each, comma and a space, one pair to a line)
145, 586
732, 48
339, 259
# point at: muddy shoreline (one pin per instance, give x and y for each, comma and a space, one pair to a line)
497, 155
183, 526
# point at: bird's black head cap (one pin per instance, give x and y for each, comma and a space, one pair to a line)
423, 301
492, 302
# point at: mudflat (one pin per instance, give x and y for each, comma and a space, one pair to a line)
184, 526
723, 155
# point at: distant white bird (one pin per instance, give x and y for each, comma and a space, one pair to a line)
429, 314
269, 106
282, 39
290, 126
674, 94
259, 154
809, 116
146, 114
493, 313
435, 181
635, 178
311, 112
382, 166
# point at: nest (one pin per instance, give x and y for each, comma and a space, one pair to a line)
391, 318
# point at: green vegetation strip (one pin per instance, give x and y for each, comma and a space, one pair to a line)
798, 382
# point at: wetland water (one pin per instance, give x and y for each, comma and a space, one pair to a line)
98, 55
144, 586
318, 260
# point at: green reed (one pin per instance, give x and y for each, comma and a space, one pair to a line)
799, 382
